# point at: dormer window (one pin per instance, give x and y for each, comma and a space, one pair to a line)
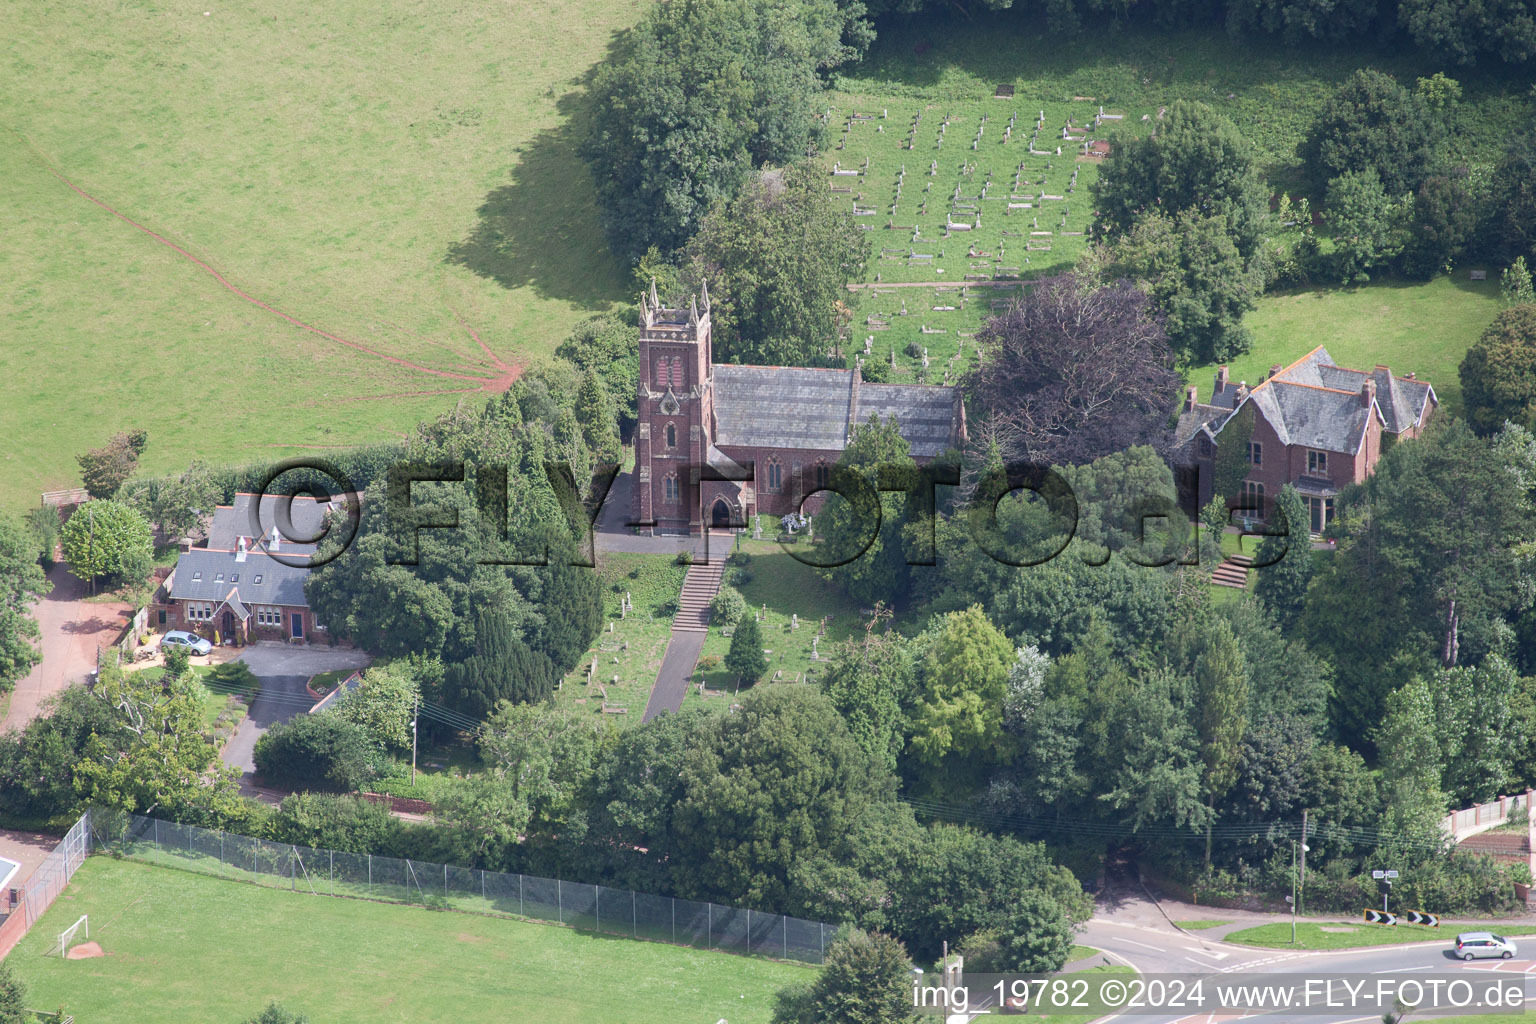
219, 578
197, 576
234, 577
257, 579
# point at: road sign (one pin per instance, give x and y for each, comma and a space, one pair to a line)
1422, 917
1380, 917
1378, 874
1391, 874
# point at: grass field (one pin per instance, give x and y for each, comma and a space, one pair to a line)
183, 947
1312, 936
376, 170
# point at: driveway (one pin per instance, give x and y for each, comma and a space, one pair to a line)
72, 629
283, 671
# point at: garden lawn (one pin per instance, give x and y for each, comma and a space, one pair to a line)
210, 702
1417, 327
1311, 936
184, 947
394, 175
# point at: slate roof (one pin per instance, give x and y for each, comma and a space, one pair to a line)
231, 522
203, 574
791, 407
1314, 417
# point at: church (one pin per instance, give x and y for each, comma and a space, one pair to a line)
718, 444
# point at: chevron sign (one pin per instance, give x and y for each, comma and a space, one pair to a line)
1380, 917
1421, 917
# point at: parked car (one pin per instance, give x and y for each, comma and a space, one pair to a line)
191, 641
1479, 945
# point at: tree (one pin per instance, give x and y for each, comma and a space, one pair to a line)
1286, 558
107, 539
1298, 21
1202, 284
502, 667
329, 822
727, 605
21, 583
542, 756
1463, 31
384, 704
1445, 216
1374, 124
957, 718
275, 1014
775, 787
777, 258
104, 469
865, 979
1498, 373
13, 998
181, 504
1366, 224
1221, 687
694, 97
878, 572
745, 659
1510, 220
598, 418
155, 757
868, 681
1033, 936
608, 344
178, 662
323, 752
1196, 161
1515, 284
1073, 372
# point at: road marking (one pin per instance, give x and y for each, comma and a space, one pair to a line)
1399, 970
1206, 952
1143, 945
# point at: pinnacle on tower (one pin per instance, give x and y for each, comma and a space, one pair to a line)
655, 302
693, 311
704, 286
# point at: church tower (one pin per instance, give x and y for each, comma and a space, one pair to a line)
673, 403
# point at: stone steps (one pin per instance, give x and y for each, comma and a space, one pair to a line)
1232, 572
699, 588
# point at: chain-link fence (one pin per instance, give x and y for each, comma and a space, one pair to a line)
44, 885
595, 908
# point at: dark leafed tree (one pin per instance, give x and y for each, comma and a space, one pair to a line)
1298, 21
1286, 559
1445, 217
1511, 213
1464, 30
695, 97
1374, 123
1073, 372
104, 469
13, 998
1498, 374
1197, 160
777, 259
502, 667
745, 658
275, 1014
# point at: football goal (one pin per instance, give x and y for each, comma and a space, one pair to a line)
77, 932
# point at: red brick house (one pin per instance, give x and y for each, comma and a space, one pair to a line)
787, 426
234, 588
1316, 426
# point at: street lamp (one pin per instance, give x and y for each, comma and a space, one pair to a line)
1304, 848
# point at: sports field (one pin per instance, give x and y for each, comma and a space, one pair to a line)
184, 947
397, 177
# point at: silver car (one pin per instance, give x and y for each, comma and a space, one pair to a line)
191, 641
1480, 945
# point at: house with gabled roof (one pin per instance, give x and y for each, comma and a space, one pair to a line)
769, 434
241, 586
1317, 426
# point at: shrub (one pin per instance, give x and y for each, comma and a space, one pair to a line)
329, 822
727, 606
317, 752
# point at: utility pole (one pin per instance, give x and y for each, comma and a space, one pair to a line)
1304, 849
415, 713
1293, 892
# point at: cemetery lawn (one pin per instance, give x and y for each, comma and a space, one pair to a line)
951, 67
377, 170
171, 955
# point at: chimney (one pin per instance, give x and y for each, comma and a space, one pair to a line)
276, 540
1274, 371
1411, 375
1242, 390
1383, 369
1221, 379
1368, 393
1191, 398
240, 550
184, 545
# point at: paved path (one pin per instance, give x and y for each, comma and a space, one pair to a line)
676, 669
71, 630
283, 671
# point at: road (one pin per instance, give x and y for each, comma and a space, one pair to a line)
1132, 930
283, 671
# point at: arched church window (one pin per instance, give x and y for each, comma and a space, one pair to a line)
671, 435
669, 487
823, 474
775, 475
